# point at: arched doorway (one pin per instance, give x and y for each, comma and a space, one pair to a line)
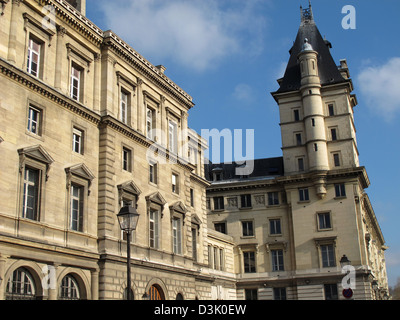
156, 293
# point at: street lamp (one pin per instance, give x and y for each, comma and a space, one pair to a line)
128, 219
344, 261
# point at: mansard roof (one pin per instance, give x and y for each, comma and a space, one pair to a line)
268, 167
328, 70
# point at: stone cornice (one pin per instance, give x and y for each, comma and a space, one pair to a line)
76, 20
122, 49
358, 172
43, 89
200, 180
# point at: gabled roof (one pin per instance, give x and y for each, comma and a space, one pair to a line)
328, 70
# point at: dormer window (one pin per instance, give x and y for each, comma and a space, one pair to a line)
217, 174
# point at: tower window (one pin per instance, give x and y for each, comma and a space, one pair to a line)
331, 110
315, 147
313, 122
334, 134
336, 159
296, 115
300, 163
298, 139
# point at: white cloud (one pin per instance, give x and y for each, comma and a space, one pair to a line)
195, 33
243, 92
380, 85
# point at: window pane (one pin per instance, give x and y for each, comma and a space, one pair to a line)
33, 58
31, 191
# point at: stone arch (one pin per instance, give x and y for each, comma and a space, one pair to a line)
160, 285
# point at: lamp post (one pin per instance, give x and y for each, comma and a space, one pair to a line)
128, 219
344, 261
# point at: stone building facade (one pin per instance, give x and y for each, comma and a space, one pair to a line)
295, 218
88, 126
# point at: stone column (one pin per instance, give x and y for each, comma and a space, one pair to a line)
12, 40
96, 82
60, 59
140, 107
95, 284
53, 285
3, 260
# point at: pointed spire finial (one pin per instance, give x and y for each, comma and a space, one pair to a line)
307, 14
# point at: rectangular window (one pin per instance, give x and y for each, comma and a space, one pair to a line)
149, 123
331, 292
76, 208
300, 164
333, 134
153, 173
324, 221
75, 82
218, 203
33, 62
249, 258
194, 244
34, 120
247, 227
154, 229
221, 259
336, 159
275, 226
126, 159
173, 136
220, 227
328, 256
303, 194
174, 182
216, 261
331, 110
77, 140
273, 198
251, 294
124, 107
277, 260
298, 139
340, 190
296, 115
177, 235
279, 293
246, 200
30, 209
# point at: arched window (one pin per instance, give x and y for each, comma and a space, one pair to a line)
69, 289
20, 286
179, 296
156, 293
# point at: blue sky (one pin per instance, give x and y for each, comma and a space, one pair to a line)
227, 54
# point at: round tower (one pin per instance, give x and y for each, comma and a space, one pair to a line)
314, 119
